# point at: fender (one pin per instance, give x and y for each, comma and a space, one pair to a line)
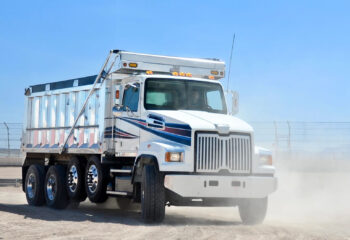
147, 159
154, 151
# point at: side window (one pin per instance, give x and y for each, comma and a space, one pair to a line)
131, 97
213, 98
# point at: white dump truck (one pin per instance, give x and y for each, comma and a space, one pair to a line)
149, 129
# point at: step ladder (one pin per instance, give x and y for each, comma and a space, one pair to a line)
122, 183
103, 75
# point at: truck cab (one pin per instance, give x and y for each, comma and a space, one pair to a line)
167, 137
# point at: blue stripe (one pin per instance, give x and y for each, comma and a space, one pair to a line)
181, 126
118, 136
173, 125
173, 137
117, 133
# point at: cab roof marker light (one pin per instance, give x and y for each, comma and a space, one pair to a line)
175, 73
182, 74
214, 72
133, 65
149, 72
188, 74
211, 77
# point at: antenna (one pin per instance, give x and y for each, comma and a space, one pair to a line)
229, 69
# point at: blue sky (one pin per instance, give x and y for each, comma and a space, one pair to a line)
290, 62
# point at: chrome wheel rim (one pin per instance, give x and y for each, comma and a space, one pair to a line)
73, 178
31, 185
92, 178
51, 187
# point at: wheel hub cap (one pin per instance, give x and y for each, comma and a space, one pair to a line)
31, 185
92, 180
73, 178
51, 187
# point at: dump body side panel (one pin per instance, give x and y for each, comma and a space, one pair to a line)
51, 112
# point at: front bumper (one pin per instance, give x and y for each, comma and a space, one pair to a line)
209, 186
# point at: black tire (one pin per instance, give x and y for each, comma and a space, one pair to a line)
96, 190
55, 187
253, 211
75, 182
34, 185
124, 203
152, 195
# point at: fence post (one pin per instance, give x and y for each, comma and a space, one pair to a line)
8, 138
276, 135
288, 135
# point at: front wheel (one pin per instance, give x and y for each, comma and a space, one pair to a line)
152, 195
253, 210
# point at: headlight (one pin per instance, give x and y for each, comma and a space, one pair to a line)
265, 159
174, 157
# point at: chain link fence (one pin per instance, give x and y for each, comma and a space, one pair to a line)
10, 141
306, 146
312, 145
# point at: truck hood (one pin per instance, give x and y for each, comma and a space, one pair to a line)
205, 121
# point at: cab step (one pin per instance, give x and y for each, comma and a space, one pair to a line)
119, 193
125, 171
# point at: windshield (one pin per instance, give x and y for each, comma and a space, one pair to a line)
173, 94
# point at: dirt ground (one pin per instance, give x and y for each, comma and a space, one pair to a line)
306, 206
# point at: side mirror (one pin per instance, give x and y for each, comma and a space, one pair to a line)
233, 100
235, 103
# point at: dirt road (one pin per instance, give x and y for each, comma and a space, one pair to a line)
292, 214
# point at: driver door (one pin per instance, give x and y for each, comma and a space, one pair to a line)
126, 134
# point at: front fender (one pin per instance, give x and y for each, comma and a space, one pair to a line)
158, 150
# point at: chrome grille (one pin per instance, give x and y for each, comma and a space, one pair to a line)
215, 152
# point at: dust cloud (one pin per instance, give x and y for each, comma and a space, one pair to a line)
311, 202
313, 192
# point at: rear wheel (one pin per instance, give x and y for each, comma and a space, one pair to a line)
55, 187
152, 195
253, 211
76, 180
34, 185
95, 180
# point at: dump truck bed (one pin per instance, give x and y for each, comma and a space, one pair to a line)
51, 110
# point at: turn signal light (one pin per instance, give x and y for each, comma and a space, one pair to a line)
174, 157
117, 94
266, 160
